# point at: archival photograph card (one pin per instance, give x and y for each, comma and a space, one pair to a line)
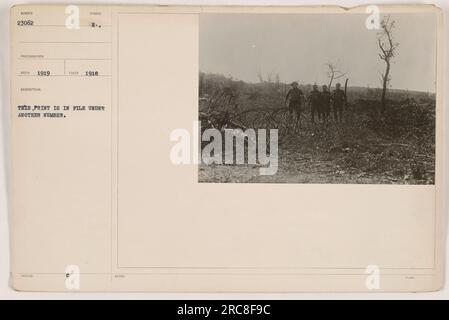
226, 149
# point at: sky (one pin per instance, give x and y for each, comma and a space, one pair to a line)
297, 47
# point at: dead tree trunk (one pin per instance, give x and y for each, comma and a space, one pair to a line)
388, 48
386, 79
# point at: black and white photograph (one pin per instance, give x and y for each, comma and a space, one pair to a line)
340, 98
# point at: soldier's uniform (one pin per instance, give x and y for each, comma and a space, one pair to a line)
339, 100
315, 103
293, 97
326, 98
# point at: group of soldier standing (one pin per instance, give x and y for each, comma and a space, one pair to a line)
320, 102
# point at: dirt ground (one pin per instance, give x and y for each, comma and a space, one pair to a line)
355, 152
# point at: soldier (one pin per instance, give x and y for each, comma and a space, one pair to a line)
315, 101
325, 103
293, 100
339, 100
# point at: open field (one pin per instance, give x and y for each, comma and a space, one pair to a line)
396, 147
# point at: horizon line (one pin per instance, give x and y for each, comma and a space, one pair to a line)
311, 83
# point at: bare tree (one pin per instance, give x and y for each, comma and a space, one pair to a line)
333, 73
270, 77
277, 81
388, 47
260, 76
